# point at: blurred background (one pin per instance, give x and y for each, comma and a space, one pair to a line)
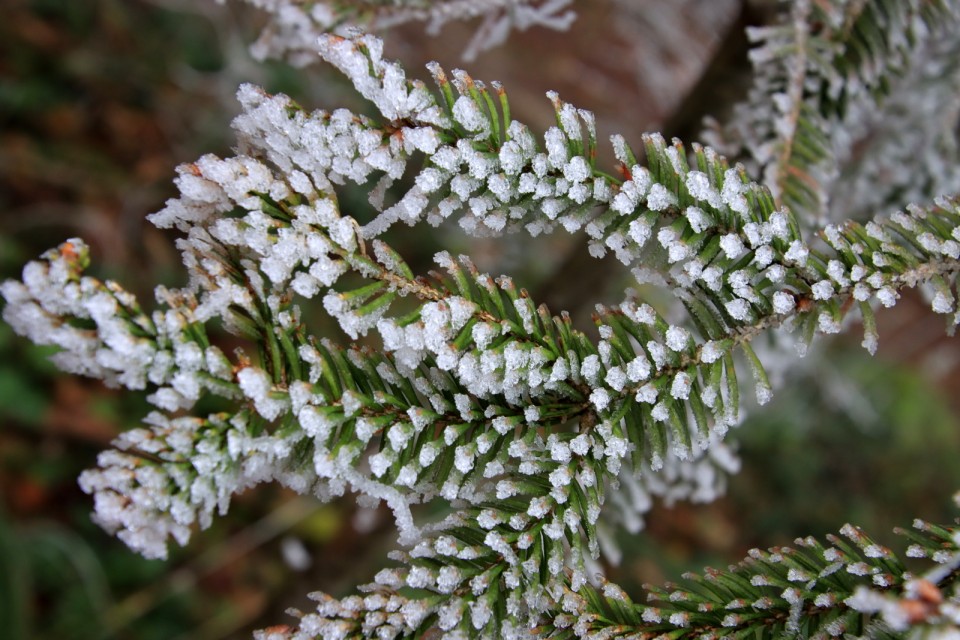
100, 100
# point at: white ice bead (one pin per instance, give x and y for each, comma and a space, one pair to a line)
753, 233
501, 187
732, 192
827, 323
343, 232
507, 489
709, 396
560, 370
887, 296
590, 368
469, 115
929, 242
797, 253
904, 220
489, 519
677, 338
364, 428
732, 246
428, 454
557, 150
481, 613
512, 158
600, 399
876, 279
682, 383
712, 276
620, 148
560, 451
699, 221
560, 477
616, 378
764, 394
577, 170
838, 272
463, 186
257, 386
540, 168
464, 457
567, 115
660, 198
738, 309
658, 352
643, 314
461, 310
579, 445
423, 139
625, 201
711, 352
448, 159
763, 256
642, 179
779, 225
833, 236
640, 231
399, 435
822, 290
539, 507
660, 412
699, 187
419, 577
380, 462
601, 190
580, 193
951, 249
942, 302
783, 302
647, 393
638, 369
776, 273
739, 280
677, 250
861, 292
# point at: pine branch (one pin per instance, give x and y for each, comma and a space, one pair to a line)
102, 332
478, 396
294, 26
850, 586
823, 69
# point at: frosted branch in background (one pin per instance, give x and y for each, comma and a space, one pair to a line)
293, 27
909, 148
853, 108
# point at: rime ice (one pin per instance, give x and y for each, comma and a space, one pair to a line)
473, 394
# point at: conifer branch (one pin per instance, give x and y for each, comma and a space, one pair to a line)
850, 586
478, 396
818, 76
294, 26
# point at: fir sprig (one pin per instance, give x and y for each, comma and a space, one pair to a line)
293, 26
821, 75
851, 585
474, 395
